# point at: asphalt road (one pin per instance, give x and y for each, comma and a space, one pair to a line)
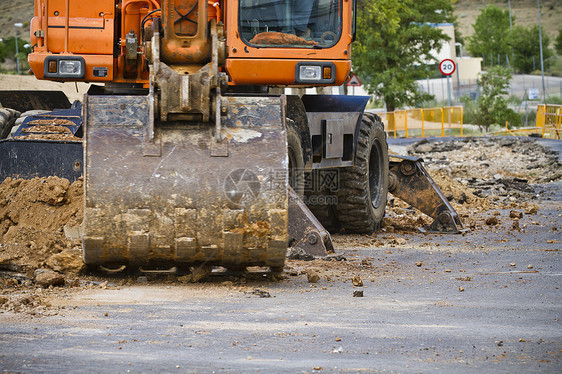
411, 319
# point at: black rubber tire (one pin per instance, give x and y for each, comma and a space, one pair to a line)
296, 159
327, 215
319, 201
7, 120
363, 188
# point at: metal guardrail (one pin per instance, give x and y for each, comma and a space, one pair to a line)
549, 121
423, 122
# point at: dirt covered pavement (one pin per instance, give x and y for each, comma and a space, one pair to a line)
397, 300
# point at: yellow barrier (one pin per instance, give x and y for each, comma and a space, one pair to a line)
549, 120
415, 122
516, 132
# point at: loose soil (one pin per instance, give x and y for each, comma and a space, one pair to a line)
33, 215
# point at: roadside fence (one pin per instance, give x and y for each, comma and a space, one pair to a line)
446, 121
549, 121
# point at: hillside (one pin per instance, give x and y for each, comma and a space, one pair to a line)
15, 11
525, 12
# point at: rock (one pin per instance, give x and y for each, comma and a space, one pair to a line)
312, 276
419, 264
298, 254
142, 279
506, 142
3, 300
515, 225
261, 293
424, 148
357, 293
40, 270
334, 258
49, 278
515, 214
72, 232
492, 221
357, 281
200, 273
529, 266
399, 241
461, 289
67, 261
532, 209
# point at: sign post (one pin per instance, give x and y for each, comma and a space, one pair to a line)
353, 82
447, 67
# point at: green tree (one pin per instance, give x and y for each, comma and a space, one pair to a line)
8, 49
492, 105
558, 43
394, 42
526, 46
491, 33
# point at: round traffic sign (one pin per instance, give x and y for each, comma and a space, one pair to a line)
447, 66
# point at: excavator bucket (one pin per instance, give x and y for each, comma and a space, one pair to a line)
410, 182
183, 197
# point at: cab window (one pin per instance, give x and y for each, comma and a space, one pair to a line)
290, 23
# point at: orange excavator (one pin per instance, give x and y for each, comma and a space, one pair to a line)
189, 148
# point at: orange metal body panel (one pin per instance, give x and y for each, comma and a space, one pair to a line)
89, 31
274, 71
36, 62
87, 35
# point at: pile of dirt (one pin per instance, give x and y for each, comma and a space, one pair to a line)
33, 217
490, 158
503, 170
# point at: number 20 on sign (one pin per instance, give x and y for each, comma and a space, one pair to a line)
447, 67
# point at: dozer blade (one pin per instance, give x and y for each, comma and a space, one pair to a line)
40, 158
22, 101
182, 197
409, 181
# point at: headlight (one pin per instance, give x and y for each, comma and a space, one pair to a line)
310, 73
70, 67
315, 73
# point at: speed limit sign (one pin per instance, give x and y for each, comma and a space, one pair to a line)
447, 66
